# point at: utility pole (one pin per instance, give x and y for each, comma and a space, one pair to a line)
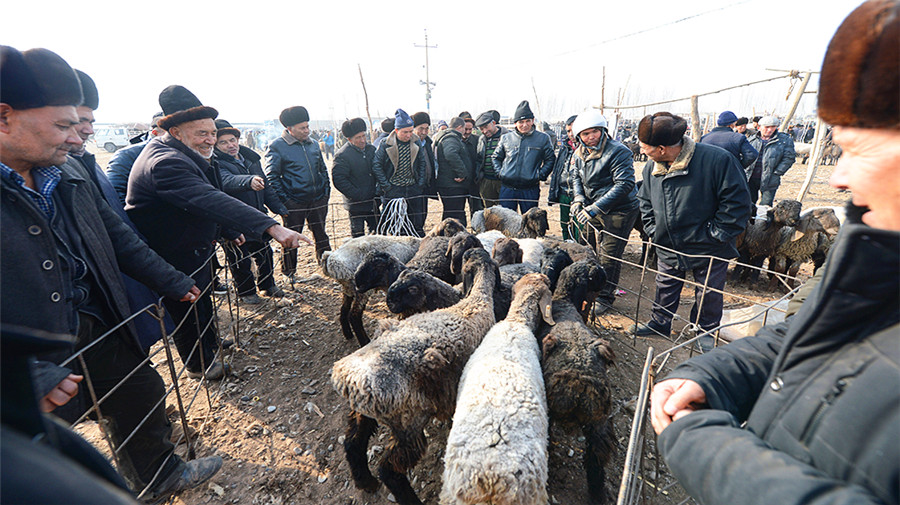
427, 82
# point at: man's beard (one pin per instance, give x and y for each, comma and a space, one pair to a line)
202, 155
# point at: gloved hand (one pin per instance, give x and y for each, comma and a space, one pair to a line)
585, 214
574, 209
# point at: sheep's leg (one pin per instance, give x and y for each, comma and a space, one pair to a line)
356, 318
792, 271
599, 451
404, 450
346, 303
356, 442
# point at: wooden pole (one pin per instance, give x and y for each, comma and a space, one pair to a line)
695, 119
603, 91
366, 94
538, 103
814, 156
797, 97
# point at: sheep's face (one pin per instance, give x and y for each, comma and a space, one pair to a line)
474, 261
377, 270
447, 228
580, 283
575, 377
459, 244
534, 288
553, 261
786, 212
534, 223
407, 294
506, 252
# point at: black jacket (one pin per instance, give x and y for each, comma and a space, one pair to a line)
605, 178
560, 177
818, 394
352, 173
296, 169
699, 208
236, 177
523, 161
453, 160
175, 201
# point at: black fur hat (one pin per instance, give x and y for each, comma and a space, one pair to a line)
37, 78
421, 118
181, 106
224, 128
89, 90
293, 115
353, 126
387, 126
661, 129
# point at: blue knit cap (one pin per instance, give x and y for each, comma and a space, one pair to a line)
726, 118
402, 120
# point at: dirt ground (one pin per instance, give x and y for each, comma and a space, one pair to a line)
278, 424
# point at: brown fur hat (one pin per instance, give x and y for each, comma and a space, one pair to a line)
661, 129
860, 81
181, 106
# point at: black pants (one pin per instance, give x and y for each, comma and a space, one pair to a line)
668, 294
618, 226
192, 320
475, 201
108, 362
453, 199
312, 213
240, 259
416, 204
363, 214
753, 185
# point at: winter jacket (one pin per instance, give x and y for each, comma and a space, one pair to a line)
175, 201
236, 178
559, 178
386, 157
35, 292
481, 155
352, 173
453, 160
818, 394
733, 142
296, 170
471, 145
604, 179
523, 161
120, 167
777, 158
430, 167
699, 207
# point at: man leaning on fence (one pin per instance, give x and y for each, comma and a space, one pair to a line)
63, 252
808, 411
694, 203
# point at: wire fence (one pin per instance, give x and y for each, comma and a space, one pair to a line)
636, 485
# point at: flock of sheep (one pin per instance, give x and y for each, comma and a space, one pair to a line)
491, 332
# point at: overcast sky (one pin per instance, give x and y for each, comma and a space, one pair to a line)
252, 59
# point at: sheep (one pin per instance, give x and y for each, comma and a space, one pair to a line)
761, 238
489, 238
459, 244
379, 270
341, 265
797, 245
577, 252
574, 363
831, 219
531, 224
506, 251
497, 447
553, 261
409, 375
446, 228
415, 291
510, 274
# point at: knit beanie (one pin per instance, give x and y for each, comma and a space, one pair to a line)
661, 129
726, 118
181, 106
89, 91
523, 111
402, 120
224, 128
293, 115
37, 78
353, 126
387, 125
860, 81
421, 118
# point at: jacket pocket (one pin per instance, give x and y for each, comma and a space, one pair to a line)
837, 389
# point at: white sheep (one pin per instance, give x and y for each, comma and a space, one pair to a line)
497, 448
341, 266
410, 375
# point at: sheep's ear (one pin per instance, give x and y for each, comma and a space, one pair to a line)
797, 235
548, 345
547, 307
604, 351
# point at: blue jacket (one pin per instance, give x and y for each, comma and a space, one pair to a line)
119, 168
733, 142
523, 161
604, 179
777, 158
296, 170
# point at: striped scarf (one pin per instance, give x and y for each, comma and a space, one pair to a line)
403, 173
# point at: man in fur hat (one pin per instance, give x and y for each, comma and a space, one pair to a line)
352, 176
807, 411
693, 200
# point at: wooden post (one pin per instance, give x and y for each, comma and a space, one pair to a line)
797, 97
603, 92
695, 119
366, 94
814, 156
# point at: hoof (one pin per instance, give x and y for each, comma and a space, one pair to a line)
369, 485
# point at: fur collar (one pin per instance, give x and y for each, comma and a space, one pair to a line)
681, 162
588, 154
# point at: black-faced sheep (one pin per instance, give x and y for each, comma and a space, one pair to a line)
410, 375
459, 244
574, 362
798, 244
446, 228
506, 251
531, 224
379, 270
341, 265
415, 291
553, 261
761, 238
497, 448
575, 251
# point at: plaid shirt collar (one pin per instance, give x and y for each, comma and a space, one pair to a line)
46, 180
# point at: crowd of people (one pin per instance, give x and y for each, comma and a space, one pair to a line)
83, 249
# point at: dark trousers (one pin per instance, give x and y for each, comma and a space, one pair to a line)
490, 192
416, 205
668, 294
610, 246
754, 184
108, 363
240, 259
524, 199
571, 230
312, 213
454, 202
363, 214
475, 201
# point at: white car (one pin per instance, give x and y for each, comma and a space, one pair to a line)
112, 138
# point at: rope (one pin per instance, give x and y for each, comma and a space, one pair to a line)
395, 220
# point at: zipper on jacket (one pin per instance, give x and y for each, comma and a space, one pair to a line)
836, 389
